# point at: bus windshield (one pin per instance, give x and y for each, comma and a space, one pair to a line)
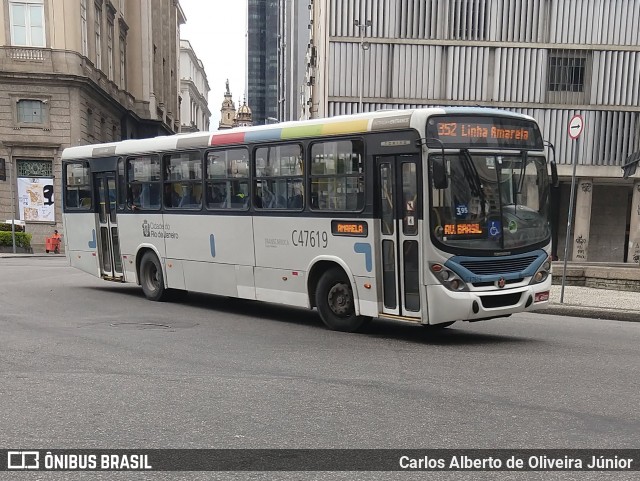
489, 201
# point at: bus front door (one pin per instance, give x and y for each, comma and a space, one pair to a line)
108, 239
399, 207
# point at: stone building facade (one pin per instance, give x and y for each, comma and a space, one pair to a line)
550, 59
194, 91
76, 72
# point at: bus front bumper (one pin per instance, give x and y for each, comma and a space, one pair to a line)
445, 305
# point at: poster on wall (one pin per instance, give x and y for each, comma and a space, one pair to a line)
35, 199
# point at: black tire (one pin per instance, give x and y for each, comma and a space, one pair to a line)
438, 327
334, 298
151, 278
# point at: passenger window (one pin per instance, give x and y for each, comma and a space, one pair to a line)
337, 175
78, 192
227, 179
183, 180
144, 183
279, 182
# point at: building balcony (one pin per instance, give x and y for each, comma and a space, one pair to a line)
28, 54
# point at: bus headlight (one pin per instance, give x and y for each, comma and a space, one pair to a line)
542, 273
448, 278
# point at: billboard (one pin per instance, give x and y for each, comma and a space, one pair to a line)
35, 199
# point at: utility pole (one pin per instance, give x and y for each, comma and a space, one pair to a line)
13, 201
363, 46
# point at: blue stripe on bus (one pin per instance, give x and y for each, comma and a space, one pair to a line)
263, 135
92, 243
364, 248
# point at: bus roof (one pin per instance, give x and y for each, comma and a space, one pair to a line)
347, 124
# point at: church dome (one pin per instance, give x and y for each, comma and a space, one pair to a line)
244, 110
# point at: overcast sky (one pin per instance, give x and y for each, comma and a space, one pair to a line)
217, 32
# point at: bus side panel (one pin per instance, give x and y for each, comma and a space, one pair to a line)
281, 286
208, 248
210, 278
138, 229
80, 240
292, 244
367, 297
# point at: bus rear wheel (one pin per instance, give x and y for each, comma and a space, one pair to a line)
151, 278
336, 305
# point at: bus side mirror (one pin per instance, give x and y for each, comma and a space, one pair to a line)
554, 174
439, 173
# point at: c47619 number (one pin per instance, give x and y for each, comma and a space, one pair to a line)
310, 238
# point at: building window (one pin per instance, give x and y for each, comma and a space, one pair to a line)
468, 19
110, 31
567, 74
98, 29
83, 27
34, 168
90, 126
27, 23
31, 112
123, 62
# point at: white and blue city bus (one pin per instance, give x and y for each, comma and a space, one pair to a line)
429, 215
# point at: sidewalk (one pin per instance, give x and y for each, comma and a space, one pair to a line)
594, 303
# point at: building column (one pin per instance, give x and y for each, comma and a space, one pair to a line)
582, 221
634, 226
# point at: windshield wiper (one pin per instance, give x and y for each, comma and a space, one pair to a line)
525, 161
471, 173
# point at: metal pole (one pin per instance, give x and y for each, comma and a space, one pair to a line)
13, 201
570, 217
361, 68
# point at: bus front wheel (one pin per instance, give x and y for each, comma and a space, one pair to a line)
151, 278
336, 305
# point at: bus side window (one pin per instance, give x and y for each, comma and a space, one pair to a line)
143, 175
227, 179
337, 175
78, 188
182, 178
279, 182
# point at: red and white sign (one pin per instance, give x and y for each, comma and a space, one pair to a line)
576, 126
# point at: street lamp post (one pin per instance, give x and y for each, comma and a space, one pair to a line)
363, 46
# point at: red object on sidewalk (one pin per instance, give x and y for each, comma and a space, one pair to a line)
52, 244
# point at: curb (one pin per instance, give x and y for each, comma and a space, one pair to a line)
29, 256
591, 312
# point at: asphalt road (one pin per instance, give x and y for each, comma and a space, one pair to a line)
89, 364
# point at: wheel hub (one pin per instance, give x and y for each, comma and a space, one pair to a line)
340, 300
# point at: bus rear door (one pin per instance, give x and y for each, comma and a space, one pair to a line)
399, 208
108, 239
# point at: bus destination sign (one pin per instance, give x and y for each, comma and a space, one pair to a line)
349, 228
482, 131
463, 229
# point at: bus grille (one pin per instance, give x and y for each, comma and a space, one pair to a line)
504, 300
498, 266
